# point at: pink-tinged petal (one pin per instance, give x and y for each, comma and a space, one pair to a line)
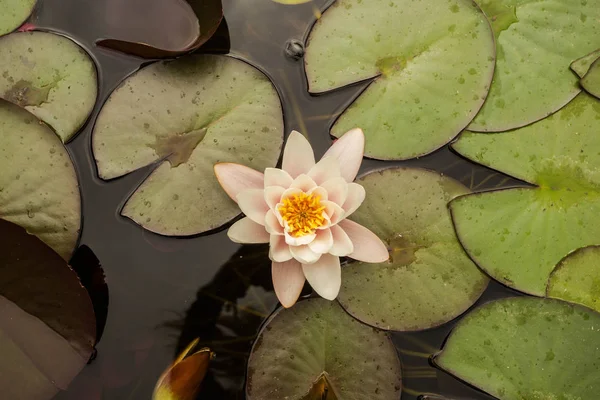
325, 276
337, 190
235, 178
277, 177
327, 168
279, 250
367, 246
247, 231
348, 150
319, 192
304, 183
356, 196
300, 240
333, 211
342, 245
252, 203
304, 254
323, 242
291, 192
288, 281
273, 196
298, 156
273, 224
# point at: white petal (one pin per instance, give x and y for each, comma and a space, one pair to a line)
333, 211
323, 242
300, 240
304, 183
279, 250
327, 168
356, 196
273, 196
342, 245
337, 190
298, 156
348, 150
247, 231
367, 246
273, 224
252, 203
325, 276
277, 177
320, 192
288, 281
304, 254
235, 178
291, 192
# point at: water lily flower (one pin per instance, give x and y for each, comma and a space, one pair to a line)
301, 210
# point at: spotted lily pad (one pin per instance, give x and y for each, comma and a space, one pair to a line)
577, 278
518, 235
47, 324
527, 348
536, 40
432, 62
187, 115
429, 279
591, 80
315, 343
14, 13
38, 184
582, 65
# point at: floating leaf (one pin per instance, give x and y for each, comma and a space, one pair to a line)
188, 115
526, 348
38, 183
51, 77
518, 235
429, 279
535, 44
432, 62
47, 325
582, 65
182, 380
14, 13
164, 28
591, 80
577, 278
316, 342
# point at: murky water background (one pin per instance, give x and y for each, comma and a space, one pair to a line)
164, 292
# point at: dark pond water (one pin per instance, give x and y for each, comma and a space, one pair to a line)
164, 292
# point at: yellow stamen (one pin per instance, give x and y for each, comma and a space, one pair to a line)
303, 213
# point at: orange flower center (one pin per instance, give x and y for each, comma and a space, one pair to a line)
303, 213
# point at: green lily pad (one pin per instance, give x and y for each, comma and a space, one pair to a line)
316, 344
582, 65
38, 184
14, 13
591, 80
577, 278
536, 40
187, 115
432, 62
429, 279
518, 235
527, 348
50, 76
47, 324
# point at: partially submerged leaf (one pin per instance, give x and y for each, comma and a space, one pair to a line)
50, 76
432, 62
182, 380
316, 343
47, 325
582, 65
536, 40
577, 278
518, 235
164, 28
591, 80
526, 348
14, 13
38, 183
429, 280
187, 115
